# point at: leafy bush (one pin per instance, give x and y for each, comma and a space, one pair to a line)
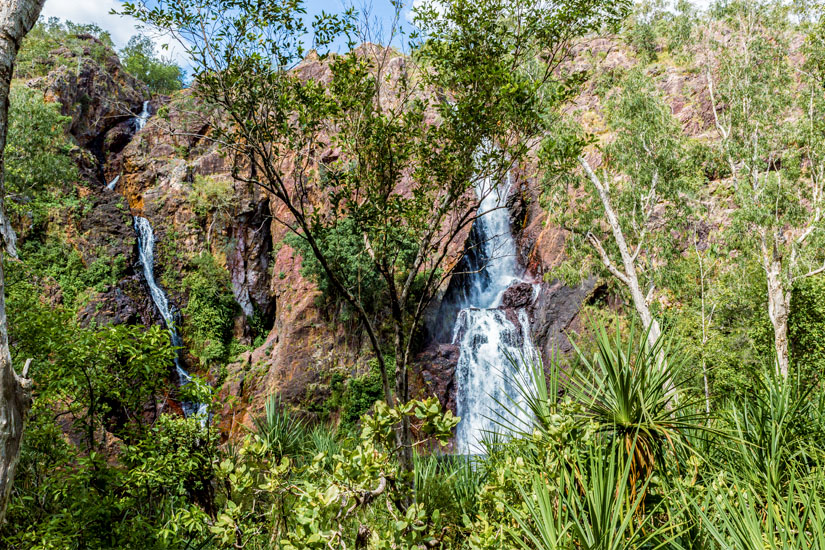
343, 245
210, 194
210, 310
139, 58
62, 264
37, 155
215, 196
806, 328
353, 396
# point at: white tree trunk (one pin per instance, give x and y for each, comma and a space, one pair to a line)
630, 276
16, 19
779, 308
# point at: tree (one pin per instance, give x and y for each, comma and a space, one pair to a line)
770, 122
37, 159
621, 210
410, 136
16, 19
162, 76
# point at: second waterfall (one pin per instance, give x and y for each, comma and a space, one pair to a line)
146, 252
487, 336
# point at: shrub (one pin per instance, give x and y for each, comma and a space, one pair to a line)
61, 263
35, 57
162, 76
282, 433
210, 311
360, 394
343, 246
37, 155
806, 328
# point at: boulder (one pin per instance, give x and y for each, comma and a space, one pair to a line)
519, 295
436, 368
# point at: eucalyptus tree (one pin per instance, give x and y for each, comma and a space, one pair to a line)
769, 118
383, 146
16, 19
619, 214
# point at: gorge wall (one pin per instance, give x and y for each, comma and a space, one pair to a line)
284, 340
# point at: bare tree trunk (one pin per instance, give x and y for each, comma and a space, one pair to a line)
706, 322
16, 19
629, 277
779, 307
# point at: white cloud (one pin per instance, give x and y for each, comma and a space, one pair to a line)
94, 11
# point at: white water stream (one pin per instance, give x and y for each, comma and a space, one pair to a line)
485, 378
143, 117
146, 252
113, 183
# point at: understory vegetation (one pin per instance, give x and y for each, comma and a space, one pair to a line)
610, 461
678, 151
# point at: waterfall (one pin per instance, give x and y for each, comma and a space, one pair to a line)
146, 252
487, 336
140, 120
111, 186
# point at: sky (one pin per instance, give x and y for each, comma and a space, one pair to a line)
122, 28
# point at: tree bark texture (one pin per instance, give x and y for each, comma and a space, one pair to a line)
17, 17
779, 308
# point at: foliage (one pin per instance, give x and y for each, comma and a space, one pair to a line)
210, 309
281, 433
806, 326
37, 160
625, 390
776, 165
62, 264
646, 168
69, 39
212, 194
139, 58
342, 243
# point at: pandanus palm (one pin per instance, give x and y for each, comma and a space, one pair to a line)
624, 389
628, 392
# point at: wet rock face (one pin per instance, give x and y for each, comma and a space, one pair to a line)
556, 313
519, 295
248, 262
437, 368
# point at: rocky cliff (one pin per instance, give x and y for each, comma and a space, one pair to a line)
283, 340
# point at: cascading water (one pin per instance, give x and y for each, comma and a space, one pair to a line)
146, 252
111, 186
143, 117
486, 381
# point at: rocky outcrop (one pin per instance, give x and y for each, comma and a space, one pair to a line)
519, 295
556, 315
303, 339
437, 364
93, 88
248, 261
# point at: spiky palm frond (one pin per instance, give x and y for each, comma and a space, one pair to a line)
790, 516
448, 483
593, 505
283, 433
774, 431
629, 392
